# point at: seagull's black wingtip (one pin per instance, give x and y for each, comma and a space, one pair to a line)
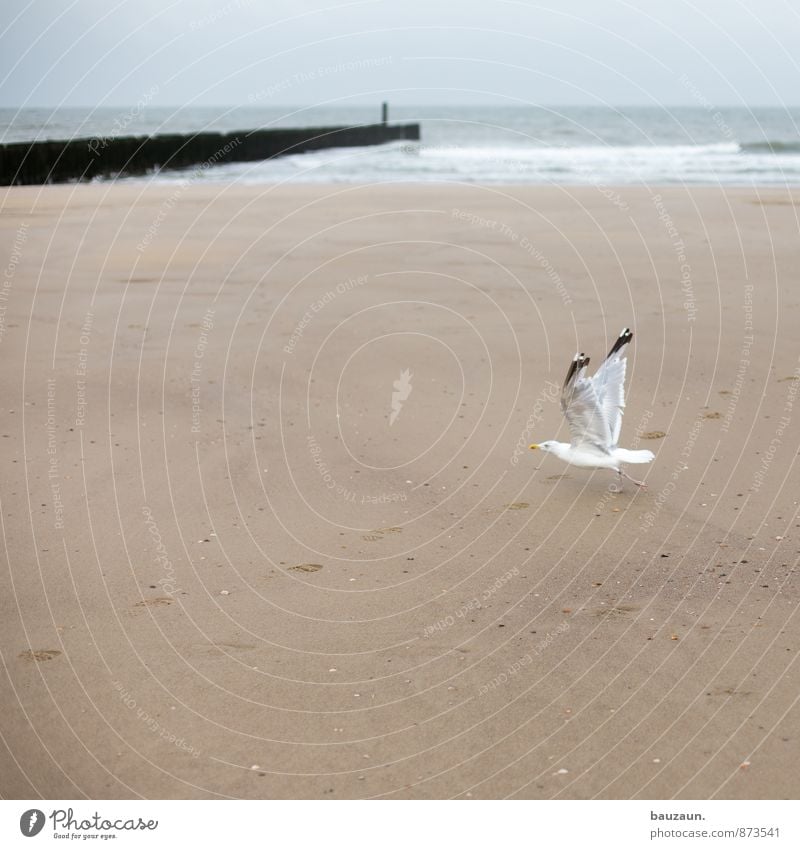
573, 367
624, 338
579, 361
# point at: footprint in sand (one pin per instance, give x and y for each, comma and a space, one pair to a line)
160, 601
141, 606
618, 611
305, 567
219, 651
38, 655
517, 505
380, 533
729, 691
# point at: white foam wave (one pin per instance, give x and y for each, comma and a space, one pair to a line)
725, 163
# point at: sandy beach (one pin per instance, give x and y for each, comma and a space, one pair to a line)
271, 528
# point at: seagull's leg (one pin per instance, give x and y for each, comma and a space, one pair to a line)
641, 484
617, 485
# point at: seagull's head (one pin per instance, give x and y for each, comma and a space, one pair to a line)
543, 446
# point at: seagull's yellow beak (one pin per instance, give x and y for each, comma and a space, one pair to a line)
533, 447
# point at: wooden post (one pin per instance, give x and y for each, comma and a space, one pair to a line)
384, 113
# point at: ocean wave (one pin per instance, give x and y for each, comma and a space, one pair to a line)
771, 147
577, 152
715, 163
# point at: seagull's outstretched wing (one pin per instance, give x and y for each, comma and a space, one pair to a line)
583, 410
593, 406
609, 384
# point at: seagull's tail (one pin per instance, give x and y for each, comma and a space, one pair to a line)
625, 456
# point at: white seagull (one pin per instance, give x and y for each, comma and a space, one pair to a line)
593, 409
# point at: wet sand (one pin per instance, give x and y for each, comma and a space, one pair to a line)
270, 526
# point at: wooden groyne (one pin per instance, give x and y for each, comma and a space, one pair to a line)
36, 163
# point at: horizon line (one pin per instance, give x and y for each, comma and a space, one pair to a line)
377, 103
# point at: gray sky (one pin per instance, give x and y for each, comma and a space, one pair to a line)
276, 52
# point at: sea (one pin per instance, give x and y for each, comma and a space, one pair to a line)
694, 145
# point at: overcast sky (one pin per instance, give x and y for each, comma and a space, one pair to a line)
292, 52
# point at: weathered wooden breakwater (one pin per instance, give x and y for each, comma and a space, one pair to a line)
36, 163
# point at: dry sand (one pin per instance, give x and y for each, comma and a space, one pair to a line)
182, 429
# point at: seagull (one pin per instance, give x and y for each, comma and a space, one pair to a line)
593, 409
